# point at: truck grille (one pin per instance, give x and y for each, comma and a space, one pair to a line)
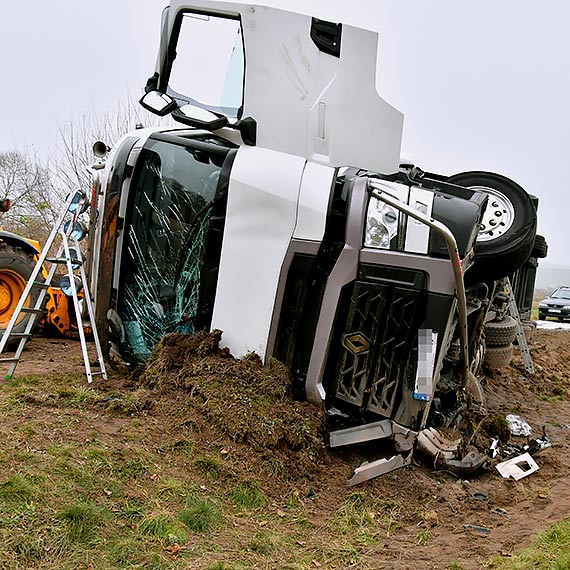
378, 345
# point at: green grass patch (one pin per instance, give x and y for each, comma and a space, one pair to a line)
201, 515
77, 396
247, 495
208, 465
82, 519
31, 380
17, 489
549, 551
263, 543
164, 528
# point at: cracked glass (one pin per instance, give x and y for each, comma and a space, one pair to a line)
166, 229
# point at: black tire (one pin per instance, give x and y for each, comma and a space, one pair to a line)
16, 266
500, 255
497, 357
500, 333
540, 247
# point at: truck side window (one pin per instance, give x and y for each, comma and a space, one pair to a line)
208, 70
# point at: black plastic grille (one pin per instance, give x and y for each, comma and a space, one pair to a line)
378, 345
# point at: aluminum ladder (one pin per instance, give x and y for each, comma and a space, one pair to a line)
521, 338
61, 228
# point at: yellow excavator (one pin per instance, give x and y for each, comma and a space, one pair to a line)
18, 257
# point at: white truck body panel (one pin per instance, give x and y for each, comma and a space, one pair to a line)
260, 221
306, 102
314, 200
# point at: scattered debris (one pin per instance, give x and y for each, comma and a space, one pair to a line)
369, 470
480, 496
311, 494
444, 445
482, 530
517, 467
501, 512
494, 447
518, 426
534, 446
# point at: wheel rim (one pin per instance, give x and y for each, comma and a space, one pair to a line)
498, 217
12, 286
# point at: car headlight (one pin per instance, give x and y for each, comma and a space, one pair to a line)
381, 224
543, 306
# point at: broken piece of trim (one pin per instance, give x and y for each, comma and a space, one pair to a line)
517, 467
379, 467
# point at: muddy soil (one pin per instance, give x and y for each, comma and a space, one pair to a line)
509, 513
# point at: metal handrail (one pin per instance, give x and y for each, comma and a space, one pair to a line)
379, 193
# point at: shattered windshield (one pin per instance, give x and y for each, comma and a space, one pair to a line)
166, 228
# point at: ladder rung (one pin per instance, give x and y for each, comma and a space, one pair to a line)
18, 335
12, 359
97, 373
42, 284
31, 310
74, 262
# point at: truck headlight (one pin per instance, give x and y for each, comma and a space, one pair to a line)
381, 224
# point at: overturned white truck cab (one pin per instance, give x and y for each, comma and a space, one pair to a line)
280, 212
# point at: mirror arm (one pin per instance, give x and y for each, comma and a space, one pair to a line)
219, 123
152, 83
247, 128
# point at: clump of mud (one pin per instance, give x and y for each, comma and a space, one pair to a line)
246, 400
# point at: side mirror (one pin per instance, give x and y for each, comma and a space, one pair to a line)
158, 103
200, 118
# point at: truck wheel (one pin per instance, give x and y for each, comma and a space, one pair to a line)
506, 236
540, 247
16, 266
500, 333
498, 356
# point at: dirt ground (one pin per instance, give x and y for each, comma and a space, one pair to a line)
433, 502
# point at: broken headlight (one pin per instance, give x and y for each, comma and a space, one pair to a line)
381, 224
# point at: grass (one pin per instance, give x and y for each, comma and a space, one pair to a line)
549, 551
201, 515
247, 495
88, 480
82, 519
85, 481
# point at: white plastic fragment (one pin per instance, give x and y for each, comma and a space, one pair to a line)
517, 467
518, 426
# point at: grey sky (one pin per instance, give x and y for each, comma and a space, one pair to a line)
483, 85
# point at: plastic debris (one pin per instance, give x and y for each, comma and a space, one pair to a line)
500, 511
518, 426
483, 530
534, 446
517, 467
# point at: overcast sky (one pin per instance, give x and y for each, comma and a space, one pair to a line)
483, 85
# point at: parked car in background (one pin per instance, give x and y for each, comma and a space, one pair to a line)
556, 305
